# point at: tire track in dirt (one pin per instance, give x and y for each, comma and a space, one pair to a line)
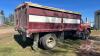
90, 47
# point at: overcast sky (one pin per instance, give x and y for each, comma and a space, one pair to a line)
85, 7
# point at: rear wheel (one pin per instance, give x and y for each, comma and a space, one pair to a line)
48, 41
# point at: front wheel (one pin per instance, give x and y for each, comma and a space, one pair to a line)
48, 41
85, 34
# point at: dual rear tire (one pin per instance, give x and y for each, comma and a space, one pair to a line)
48, 41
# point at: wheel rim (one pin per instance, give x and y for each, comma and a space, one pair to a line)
51, 42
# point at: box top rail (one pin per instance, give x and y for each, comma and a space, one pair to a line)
46, 7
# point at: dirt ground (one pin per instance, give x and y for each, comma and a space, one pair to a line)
12, 45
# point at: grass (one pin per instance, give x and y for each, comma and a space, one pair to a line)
9, 47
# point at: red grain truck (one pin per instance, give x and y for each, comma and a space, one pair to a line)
46, 24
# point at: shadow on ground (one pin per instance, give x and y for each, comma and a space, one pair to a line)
29, 41
18, 39
71, 37
62, 47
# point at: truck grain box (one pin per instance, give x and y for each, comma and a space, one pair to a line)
46, 24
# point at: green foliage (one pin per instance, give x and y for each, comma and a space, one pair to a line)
92, 28
9, 23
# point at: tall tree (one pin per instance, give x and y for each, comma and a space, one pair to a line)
2, 12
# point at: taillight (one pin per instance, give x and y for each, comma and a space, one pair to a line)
28, 33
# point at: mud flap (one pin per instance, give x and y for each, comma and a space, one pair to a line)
23, 36
61, 37
35, 41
